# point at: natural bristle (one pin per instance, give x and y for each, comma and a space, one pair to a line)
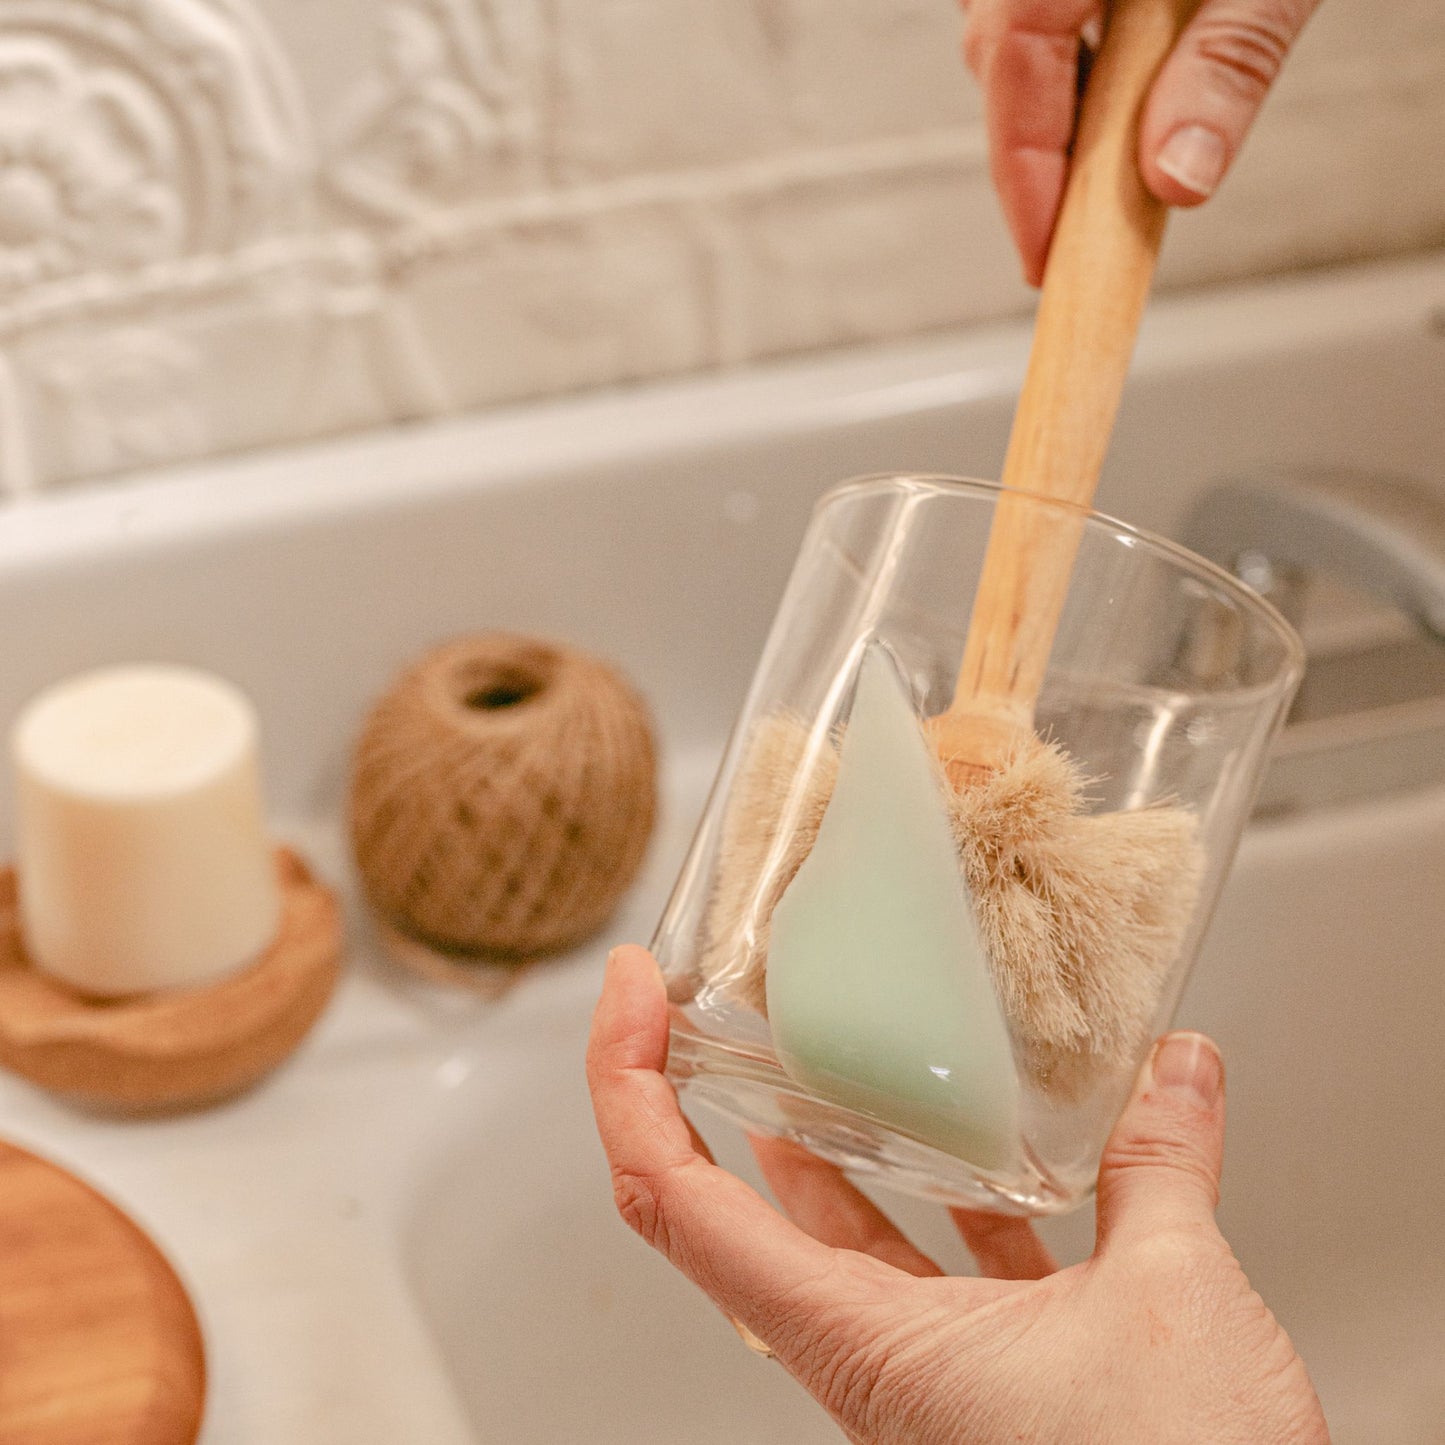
773, 816
1082, 915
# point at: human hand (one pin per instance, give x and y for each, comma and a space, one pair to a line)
1157, 1338
1025, 54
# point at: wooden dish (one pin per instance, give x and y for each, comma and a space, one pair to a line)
176, 1048
98, 1339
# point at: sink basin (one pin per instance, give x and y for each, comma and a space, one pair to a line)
407, 1233
556, 1325
1321, 982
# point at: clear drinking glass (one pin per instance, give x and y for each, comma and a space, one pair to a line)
1166, 682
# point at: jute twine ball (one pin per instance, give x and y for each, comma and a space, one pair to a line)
502, 796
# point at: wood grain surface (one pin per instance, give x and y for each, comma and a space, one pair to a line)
179, 1047
99, 1344
1096, 283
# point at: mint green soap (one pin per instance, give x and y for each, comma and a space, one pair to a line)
879, 996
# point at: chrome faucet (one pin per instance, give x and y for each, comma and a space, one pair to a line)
1370, 716
1380, 533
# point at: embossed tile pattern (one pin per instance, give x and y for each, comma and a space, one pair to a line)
232, 223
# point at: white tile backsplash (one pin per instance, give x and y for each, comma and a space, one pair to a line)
230, 223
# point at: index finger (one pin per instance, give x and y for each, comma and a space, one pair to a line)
1026, 54
724, 1236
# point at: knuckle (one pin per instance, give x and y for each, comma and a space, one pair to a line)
1017, 44
1178, 1263
989, 27
1244, 47
639, 1201
1135, 1154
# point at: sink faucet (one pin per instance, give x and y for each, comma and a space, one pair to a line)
1369, 718
1381, 533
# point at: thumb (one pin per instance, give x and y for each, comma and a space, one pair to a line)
1210, 90
1160, 1170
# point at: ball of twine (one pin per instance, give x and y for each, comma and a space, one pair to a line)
502, 796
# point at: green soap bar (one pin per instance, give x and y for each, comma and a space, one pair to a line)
879, 995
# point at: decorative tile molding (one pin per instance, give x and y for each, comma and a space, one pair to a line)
138, 130
134, 135
90, 174
839, 64
437, 123
123, 398
232, 223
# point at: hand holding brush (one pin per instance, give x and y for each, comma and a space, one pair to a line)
1081, 914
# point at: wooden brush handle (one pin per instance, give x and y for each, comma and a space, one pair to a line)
1097, 280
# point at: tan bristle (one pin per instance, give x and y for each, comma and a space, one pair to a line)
1081, 914
783, 781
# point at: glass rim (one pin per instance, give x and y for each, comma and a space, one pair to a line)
1262, 610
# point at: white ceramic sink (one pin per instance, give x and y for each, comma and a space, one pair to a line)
407, 1234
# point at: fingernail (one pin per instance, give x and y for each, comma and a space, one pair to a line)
750, 1339
1194, 156
1189, 1064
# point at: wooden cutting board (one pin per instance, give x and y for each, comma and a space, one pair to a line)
99, 1344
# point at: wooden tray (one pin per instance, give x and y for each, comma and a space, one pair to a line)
99, 1344
181, 1047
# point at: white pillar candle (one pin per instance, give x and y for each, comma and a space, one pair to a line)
142, 851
